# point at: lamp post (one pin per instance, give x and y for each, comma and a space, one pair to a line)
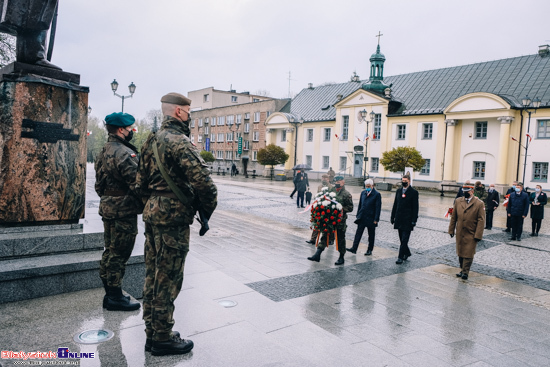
131, 88
527, 104
364, 115
295, 122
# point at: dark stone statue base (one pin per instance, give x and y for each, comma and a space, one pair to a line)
17, 70
42, 148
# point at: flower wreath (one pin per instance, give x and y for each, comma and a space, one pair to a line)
326, 213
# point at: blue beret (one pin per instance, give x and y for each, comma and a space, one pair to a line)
338, 178
120, 119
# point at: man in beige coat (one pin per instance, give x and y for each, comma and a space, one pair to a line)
468, 220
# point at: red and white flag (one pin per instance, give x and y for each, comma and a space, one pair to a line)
514, 139
529, 136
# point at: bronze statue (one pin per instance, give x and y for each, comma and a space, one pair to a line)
29, 21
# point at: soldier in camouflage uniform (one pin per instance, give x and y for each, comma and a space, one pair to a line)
343, 197
116, 169
167, 219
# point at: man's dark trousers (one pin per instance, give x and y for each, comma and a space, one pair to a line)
517, 226
359, 234
489, 218
404, 250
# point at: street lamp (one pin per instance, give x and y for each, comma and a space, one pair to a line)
293, 121
534, 104
131, 88
364, 115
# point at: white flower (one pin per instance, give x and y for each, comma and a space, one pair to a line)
326, 203
339, 206
333, 206
315, 205
332, 194
324, 188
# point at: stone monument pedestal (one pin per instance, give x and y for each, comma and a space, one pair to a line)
43, 129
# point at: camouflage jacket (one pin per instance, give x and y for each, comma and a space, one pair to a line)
115, 170
344, 197
186, 168
482, 194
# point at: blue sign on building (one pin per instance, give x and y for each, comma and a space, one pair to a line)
207, 144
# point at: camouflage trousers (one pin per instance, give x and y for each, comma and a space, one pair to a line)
341, 234
165, 251
120, 235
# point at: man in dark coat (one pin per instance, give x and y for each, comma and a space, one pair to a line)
508, 219
301, 184
467, 220
491, 203
460, 193
538, 200
368, 215
517, 209
404, 215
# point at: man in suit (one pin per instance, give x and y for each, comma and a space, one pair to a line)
301, 183
508, 219
517, 209
467, 220
491, 203
404, 215
368, 215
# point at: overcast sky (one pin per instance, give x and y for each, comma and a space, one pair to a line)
181, 45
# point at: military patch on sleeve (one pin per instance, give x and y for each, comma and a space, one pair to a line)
133, 155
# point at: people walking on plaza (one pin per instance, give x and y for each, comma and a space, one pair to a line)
331, 174
518, 206
345, 199
368, 215
460, 192
404, 215
491, 204
538, 200
301, 184
176, 183
116, 168
233, 170
467, 224
324, 183
308, 196
510, 190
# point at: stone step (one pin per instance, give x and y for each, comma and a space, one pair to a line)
43, 240
56, 272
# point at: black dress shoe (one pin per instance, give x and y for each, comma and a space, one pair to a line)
399, 261
518, 239
459, 275
311, 242
340, 261
351, 250
532, 234
464, 276
507, 230
149, 342
368, 253
174, 345
405, 257
512, 238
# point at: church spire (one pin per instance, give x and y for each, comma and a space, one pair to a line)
376, 79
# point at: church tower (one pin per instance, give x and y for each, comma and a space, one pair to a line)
376, 80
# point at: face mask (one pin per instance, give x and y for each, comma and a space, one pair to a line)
368, 189
537, 189
337, 186
405, 184
467, 194
491, 189
517, 189
129, 136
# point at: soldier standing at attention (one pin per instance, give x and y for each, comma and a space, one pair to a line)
175, 183
116, 168
343, 197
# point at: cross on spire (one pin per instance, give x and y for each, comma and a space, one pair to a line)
379, 35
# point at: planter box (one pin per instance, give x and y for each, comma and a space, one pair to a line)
280, 178
384, 186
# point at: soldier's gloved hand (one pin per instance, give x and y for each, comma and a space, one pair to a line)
452, 235
392, 221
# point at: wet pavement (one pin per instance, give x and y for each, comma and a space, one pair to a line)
293, 312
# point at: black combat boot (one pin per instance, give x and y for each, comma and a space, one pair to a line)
116, 301
352, 249
107, 293
317, 256
174, 345
340, 260
149, 342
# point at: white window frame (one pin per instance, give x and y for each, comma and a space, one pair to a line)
377, 126
256, 136
234, 99
309, 135
540, 169
325, 162
374, 164
239, 119
221, 120
343, 163
543, 129
256, 116
283, 135
345, 128
246, 127
199, 138
425, 170
327, 131
230, 119
479, 173
481, 128
255, 155
220, 137
219, 154
206, 98
427, 131
401, 132
309, 160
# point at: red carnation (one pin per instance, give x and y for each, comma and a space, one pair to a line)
336, 211
339, 220
326, 230
333, 223
324, 225
331, 217
322, 207
326, 219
